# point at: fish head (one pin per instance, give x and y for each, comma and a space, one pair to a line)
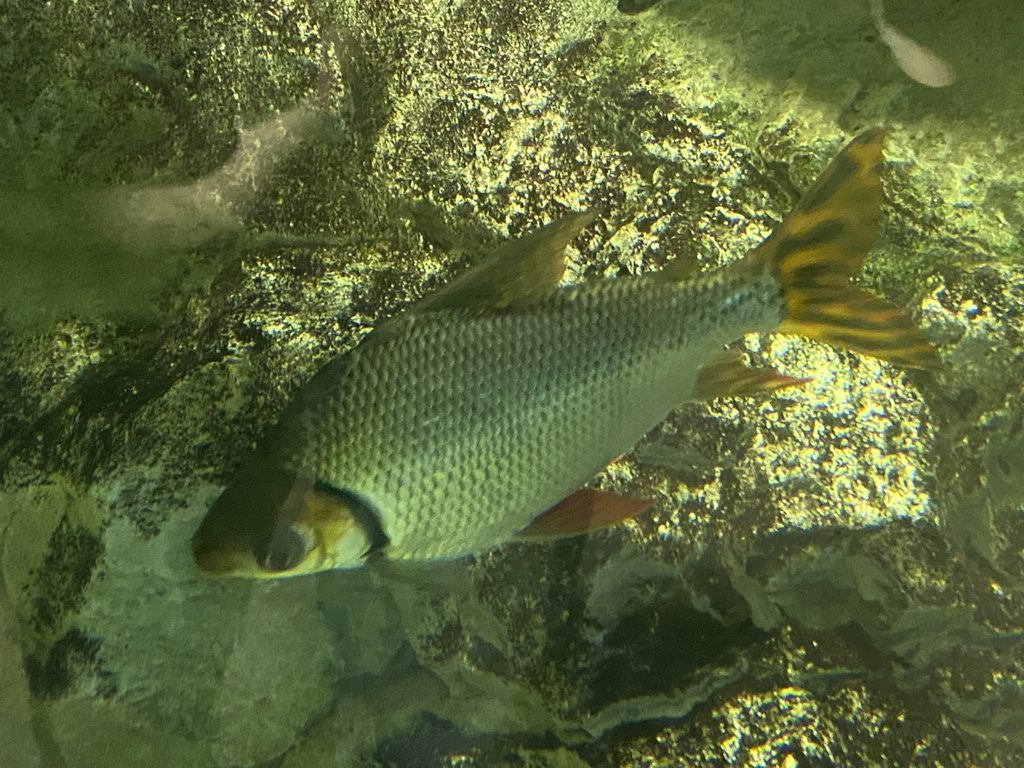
272, 523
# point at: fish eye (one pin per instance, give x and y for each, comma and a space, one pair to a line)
284, 551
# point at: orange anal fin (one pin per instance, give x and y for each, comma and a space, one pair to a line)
727, 376
588, 509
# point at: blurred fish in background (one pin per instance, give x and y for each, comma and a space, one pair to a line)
917, 61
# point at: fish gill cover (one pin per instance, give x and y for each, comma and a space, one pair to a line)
831, 576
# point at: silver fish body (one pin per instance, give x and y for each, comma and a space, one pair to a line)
460, 427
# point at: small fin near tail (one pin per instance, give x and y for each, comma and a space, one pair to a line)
818, 249
725, 375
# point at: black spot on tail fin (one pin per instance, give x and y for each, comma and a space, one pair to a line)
820, 246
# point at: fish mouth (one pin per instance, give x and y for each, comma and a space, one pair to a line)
242, 520
216, 560
290, 550
273, 523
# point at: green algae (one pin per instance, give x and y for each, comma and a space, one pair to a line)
694, 126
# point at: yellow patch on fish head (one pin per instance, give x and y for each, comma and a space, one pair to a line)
324, 535
270, 523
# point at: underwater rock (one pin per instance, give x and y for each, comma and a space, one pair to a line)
829, 576
18, 748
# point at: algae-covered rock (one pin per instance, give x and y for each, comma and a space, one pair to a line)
205, 203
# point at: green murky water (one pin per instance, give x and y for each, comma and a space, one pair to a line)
202, 204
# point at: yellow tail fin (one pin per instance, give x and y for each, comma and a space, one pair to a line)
819, 247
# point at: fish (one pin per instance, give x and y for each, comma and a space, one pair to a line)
476, 416
917, 61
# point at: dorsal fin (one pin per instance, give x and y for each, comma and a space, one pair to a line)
680, 269
521, 271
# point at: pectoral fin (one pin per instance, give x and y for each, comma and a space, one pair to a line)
587, 509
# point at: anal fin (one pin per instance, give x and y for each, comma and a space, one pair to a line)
587, 509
